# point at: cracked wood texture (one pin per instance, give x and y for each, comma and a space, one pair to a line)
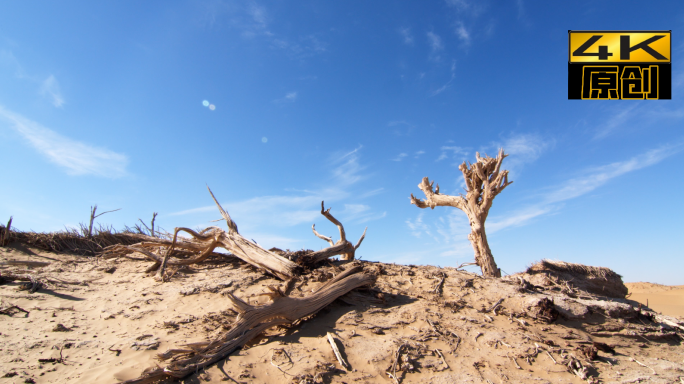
484, 179
252, 321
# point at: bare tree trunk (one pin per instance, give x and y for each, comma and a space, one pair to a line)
483, 255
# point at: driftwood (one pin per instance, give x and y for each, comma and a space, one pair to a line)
205, 242
250, 323
341, 247
484, 180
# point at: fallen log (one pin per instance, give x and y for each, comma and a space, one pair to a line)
252, 321
205, 242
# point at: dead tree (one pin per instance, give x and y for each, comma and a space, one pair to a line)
341, 247
484, 180
93, 216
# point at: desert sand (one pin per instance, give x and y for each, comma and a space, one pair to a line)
666, 299
446, 324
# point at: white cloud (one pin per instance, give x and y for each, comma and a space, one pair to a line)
304, 207
591, 179
598, 176
50, 88
436, 45
619, 118
522, 149
406, 34
76, 157
401, 128
460, 5
448, 83
289, 97
518, 218
462, 33
400, 157
455, 152
417, 154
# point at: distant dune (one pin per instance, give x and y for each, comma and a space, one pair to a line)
666, 299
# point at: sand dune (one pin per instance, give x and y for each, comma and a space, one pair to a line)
669, 300
112, 326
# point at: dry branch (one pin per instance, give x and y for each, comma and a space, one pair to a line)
341, 247
250, 323
93, 216
336, 350
205, 242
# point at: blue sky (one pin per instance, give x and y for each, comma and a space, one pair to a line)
351, 102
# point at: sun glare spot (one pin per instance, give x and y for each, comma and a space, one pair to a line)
264, 139
205, 103
212, 106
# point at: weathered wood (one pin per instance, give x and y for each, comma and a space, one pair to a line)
341, 247
206, 241
93, 216
484, 180
250, 323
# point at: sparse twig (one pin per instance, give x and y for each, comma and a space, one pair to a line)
93, 216
642, 364
493, 307
442, 356
343, 363
515, 362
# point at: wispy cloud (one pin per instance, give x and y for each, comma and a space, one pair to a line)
401, 127
50, 89
417, 154
448, 83
462, 32
8, 60
522, 149
454, 150
75, 157
406, 35
620, 116
254, 21
289, 97
436, 46
400, 157
591, 179
304, 207
595, 177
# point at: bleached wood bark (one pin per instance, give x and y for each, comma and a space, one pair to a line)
209, 239
250, 323
484, 180
341, 247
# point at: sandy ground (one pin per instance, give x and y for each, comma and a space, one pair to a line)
112, 326
668, 300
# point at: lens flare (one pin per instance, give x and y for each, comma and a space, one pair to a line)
212, 106
264, 139
205, 103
